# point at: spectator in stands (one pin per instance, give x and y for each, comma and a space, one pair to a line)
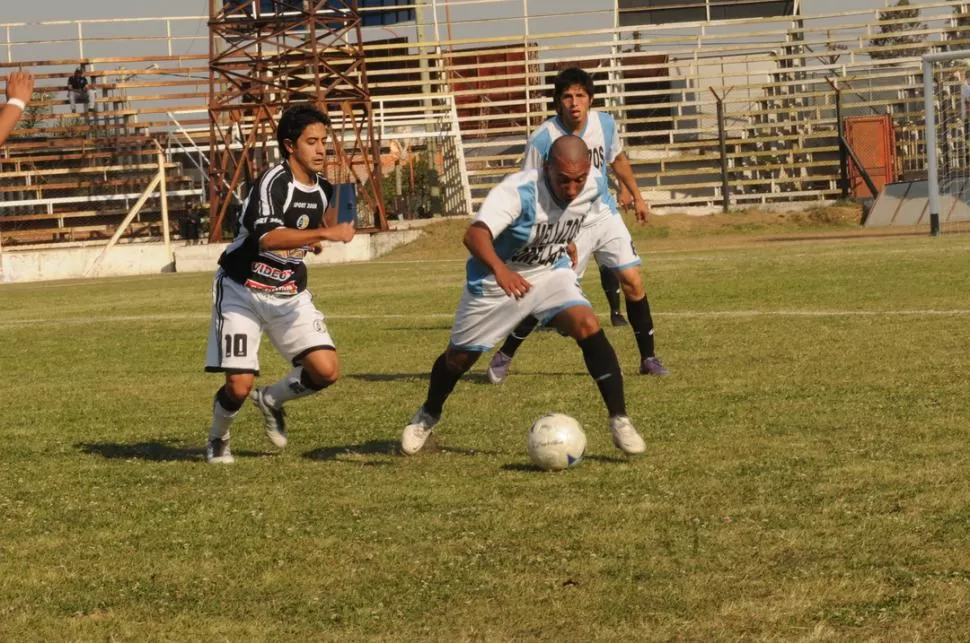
20, 87
78, 90
193, 226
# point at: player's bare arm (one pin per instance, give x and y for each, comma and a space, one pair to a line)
20, 87
330, 217
624, 173
329, 221
478, 240
290, 239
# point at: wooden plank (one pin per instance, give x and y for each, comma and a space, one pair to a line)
85, 170
93, 182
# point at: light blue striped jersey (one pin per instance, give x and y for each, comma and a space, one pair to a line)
600, 135
530, 228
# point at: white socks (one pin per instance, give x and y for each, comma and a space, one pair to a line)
221, 421
289, 388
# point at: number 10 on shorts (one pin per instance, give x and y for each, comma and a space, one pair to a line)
235, 345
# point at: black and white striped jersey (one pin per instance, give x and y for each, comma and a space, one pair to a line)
276, 200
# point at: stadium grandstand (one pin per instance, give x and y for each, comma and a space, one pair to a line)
721, 104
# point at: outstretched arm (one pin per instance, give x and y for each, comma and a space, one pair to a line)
20, 87
290, 238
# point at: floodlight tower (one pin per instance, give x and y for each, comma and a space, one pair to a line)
265, 55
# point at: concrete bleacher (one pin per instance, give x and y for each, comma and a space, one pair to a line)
74, 176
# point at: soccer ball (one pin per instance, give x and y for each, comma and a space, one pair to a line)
556, 442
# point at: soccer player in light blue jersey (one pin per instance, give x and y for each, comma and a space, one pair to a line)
605, 237
522, 258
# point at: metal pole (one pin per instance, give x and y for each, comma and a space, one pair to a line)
163, 200
843, 154
722, 146
423, 60
932, 172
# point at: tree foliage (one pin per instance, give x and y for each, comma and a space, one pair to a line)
418, 177
896, 27
35, 113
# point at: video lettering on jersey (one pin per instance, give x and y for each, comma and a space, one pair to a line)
272, 273
549, 243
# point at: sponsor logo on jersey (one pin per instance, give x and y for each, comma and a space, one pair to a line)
549, 243
276, 274
596, 156
286, 289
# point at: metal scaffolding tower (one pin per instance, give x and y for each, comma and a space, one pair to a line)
267, 54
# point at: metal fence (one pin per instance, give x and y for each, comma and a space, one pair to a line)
711, 112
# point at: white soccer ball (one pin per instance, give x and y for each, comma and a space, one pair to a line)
556, 442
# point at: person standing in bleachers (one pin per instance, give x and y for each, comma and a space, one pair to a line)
20, 87
78, 90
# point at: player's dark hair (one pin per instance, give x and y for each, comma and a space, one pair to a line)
569, 77
294, 120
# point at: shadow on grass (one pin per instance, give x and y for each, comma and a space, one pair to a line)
472, 377
386, 377
425, 327
386, 447
156, 451
531, 468
373, 447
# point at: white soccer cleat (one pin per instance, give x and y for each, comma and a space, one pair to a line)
625, 436
417, 432
218, 452
274, 423
498, 367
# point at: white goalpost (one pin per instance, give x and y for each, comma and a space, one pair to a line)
946, 92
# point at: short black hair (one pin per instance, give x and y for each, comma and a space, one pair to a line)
294, 120
569, 77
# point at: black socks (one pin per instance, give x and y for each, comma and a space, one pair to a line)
604, 368
442, 384
227, 402
523, 330
639, 314
611, 286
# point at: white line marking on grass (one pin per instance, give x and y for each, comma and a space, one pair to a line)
726, 314
817, 313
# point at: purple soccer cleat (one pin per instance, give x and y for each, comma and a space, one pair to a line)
652, 366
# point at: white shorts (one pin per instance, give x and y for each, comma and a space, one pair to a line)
610, 242
484, 320
239, 317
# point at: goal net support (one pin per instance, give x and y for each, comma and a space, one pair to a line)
946, 92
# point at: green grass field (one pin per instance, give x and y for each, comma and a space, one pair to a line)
807, 474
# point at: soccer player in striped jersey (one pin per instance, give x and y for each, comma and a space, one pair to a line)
521, 264
605, 237
261, 285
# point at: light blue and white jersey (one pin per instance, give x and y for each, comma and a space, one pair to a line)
531, 228
600, 135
